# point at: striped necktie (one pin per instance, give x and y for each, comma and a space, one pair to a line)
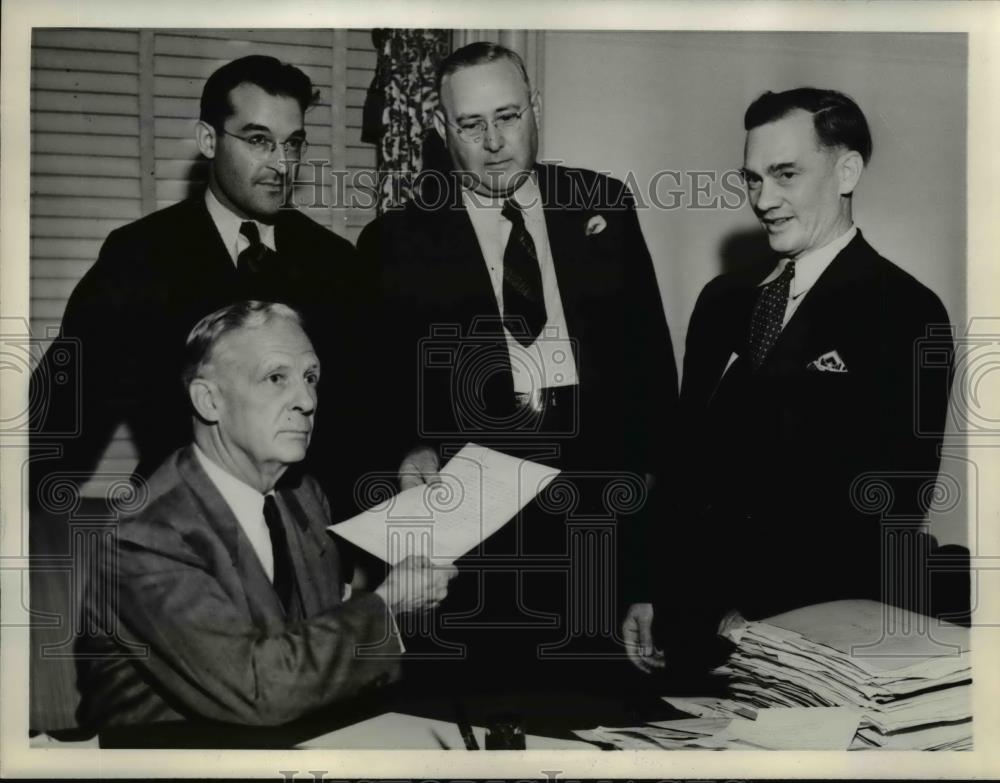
523, 299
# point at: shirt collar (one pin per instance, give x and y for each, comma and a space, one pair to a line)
246, 503
228, 224
527, 196
810, 266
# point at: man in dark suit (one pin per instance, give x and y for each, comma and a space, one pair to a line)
809, 415
523, 313
222, 599
157, 276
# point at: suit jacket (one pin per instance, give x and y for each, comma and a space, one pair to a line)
126, 322
791, 470
434, 280
195, 629
450, 360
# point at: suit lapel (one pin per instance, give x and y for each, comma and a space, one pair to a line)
458, 245
262, 600
208, 249
567, 246
315, 590
794, 344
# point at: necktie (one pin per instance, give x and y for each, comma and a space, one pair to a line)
283, 578
252, 261
768, 315
522, 280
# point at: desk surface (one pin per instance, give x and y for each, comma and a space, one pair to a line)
410, 732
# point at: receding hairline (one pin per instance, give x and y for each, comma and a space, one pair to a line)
255, 320
479, 53
522, 77
223, 345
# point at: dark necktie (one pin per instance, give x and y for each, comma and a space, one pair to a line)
283, 578
254, 260
522, 280
768, 315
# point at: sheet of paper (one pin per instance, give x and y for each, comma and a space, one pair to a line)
703, 706
480, 491
797, 728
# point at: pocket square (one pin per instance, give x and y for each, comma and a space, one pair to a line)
828, 362
595, 225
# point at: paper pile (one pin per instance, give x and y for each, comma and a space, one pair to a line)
721, 728
907, 676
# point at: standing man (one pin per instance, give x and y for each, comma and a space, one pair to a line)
523, 310
223, 599
237, 239
802, 394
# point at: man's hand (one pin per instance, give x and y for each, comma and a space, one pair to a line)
415, 585
419, 466
637, 630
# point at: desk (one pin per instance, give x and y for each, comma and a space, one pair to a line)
412, 722
410, 732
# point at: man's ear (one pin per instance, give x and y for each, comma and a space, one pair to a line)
206, 399
536, 107
849, 168
439, 125
206, 137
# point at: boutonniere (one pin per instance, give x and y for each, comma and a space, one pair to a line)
595, 225
828, 362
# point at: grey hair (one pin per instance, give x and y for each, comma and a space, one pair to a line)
247, 314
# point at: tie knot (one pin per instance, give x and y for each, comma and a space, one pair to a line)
512, 211
270, 508
250, 231
789, 271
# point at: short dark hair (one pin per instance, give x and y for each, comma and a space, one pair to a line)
268, 73
247, 314
838, 120
479, 53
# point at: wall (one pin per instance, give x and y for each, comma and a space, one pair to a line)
637, 103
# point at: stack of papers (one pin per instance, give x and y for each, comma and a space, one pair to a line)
776, 728
908, 677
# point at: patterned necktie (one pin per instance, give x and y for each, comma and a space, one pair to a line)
252, 261
283, 578
769, 314
523, 300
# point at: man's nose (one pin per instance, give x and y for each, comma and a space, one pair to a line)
767, 196
493, 138
279, 162
305, 398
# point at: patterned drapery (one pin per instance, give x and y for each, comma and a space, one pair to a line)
407, 61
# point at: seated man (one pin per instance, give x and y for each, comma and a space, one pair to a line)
221, 599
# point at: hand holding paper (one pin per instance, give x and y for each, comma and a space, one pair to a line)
479, 492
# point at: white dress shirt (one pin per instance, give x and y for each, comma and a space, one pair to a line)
808, 268
550, 360
228, 225
247, 505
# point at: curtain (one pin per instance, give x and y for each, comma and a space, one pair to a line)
403, 130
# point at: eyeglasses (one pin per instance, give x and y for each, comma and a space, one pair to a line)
263, 146
472, 131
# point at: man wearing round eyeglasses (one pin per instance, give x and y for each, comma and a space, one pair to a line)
522, 299
239, 238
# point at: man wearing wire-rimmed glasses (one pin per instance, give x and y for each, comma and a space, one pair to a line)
237, 239
523, 313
